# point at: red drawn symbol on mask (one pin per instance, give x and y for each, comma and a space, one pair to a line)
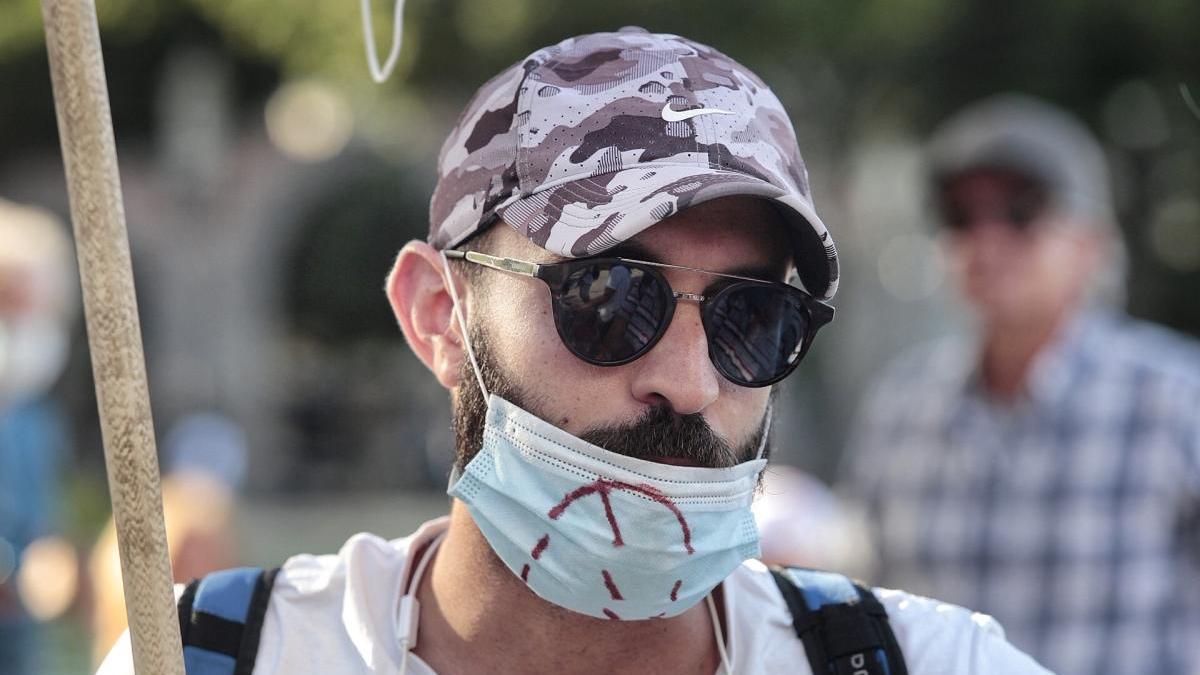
536, 553
604, 486
541, 546
612, 587
611, 614
675, 590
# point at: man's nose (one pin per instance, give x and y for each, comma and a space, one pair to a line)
678, 371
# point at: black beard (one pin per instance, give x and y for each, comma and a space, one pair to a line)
659, 433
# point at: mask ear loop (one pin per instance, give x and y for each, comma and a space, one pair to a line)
380, 75
456, 471
462, 324
762, 442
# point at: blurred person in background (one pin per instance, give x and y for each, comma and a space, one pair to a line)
1046, 468
205, 465
603, 296
37, 305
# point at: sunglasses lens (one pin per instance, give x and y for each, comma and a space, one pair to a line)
608, 313
1018, 207
756, 333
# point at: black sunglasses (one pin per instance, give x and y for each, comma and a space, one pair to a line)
1020, 210
610, 311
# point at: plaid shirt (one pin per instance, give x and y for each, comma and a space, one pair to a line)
1071, 516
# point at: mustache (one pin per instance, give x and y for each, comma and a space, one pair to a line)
660, 433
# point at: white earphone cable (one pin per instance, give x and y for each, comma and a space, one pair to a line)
719, 635
410, 609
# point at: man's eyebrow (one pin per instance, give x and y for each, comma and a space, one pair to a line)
634, 251
764, 271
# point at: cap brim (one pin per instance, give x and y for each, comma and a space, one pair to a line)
588, 216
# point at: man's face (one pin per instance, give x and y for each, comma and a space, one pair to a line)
1014, 259
670, 405
17, 295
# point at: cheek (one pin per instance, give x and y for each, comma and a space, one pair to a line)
972, 257
528, 349
741, 417
1061, 267
521, 322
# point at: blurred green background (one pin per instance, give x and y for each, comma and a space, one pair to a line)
269, 182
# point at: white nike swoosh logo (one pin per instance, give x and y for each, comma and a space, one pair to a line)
671, 115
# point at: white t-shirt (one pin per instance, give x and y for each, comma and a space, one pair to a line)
337, 614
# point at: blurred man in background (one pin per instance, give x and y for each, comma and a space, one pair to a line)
37, 302
1045, 470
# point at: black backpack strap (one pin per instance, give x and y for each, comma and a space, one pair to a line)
221, 618
842, 624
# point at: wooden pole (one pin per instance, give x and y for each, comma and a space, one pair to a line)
114, 334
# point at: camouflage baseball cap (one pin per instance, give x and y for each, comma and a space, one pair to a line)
583, 145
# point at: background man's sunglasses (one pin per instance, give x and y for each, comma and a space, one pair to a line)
610, 311
1020, 210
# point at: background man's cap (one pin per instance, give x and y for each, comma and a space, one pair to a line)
583, 145
1034, 139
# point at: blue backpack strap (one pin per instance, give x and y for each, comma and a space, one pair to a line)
221, 618
843, 625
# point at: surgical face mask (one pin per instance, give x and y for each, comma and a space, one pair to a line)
33, 353
596, 532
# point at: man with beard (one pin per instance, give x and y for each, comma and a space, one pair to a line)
604, 294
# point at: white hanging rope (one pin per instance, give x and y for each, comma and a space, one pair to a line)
380, 74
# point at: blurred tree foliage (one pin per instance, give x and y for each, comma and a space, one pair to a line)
840, 66
939, 53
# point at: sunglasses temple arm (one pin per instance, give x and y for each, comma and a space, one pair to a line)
521, 267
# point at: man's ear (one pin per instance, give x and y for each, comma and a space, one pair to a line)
420, 297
